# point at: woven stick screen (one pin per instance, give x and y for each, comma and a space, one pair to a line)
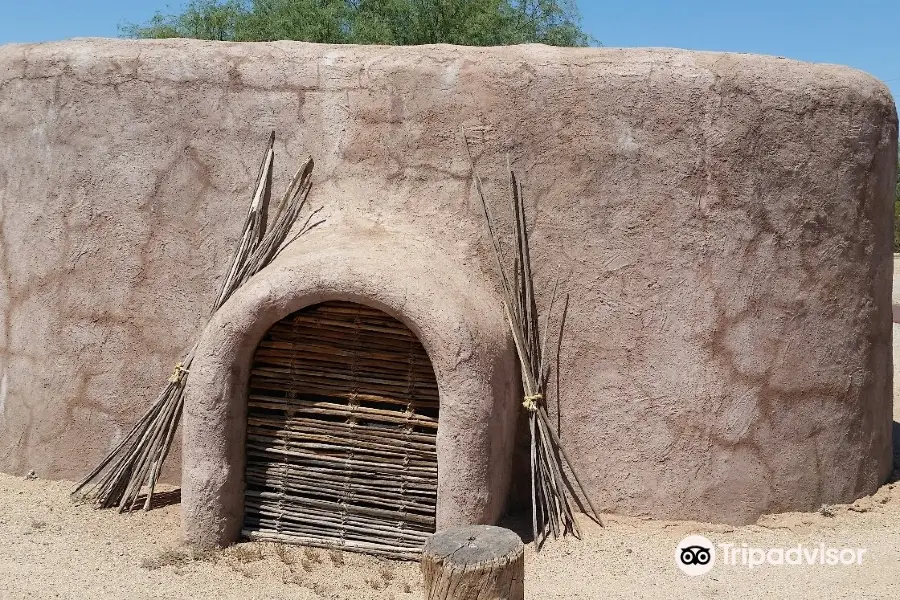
341, 426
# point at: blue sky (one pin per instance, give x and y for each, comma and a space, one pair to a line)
861, 33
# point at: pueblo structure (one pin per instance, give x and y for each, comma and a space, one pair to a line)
721, 224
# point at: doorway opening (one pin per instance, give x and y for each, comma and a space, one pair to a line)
341, 433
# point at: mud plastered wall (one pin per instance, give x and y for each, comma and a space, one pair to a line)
722, 223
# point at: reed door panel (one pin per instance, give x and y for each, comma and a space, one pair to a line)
341, 426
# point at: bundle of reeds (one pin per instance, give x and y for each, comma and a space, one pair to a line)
135, 463
551, 489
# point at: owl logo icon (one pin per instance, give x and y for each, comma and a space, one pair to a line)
695, 555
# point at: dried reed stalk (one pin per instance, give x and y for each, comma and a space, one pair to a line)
551, 490
135, 463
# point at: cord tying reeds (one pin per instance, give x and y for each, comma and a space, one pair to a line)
135, 463
552, 492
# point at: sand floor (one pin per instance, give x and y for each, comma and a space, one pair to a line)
51, 548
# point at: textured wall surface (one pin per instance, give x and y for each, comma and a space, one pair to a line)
721, 222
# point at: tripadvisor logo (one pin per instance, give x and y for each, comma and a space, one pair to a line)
696, 555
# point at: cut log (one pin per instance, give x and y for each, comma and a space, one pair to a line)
475, 562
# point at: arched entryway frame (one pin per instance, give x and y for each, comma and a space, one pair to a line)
456, 316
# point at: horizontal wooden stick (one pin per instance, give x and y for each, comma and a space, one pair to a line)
329, 408
362, 340
316, 475
375, 466
290, 514
370, 431
399, 552
344, 454
302, 380
336, 444
344, 394
318, 355
312, 525
324, 321
354, 492
340, 509
344, 523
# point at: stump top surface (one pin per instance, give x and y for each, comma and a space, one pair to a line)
473, 544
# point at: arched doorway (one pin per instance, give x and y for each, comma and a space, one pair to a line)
341, 433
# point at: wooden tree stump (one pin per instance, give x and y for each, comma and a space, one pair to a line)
475, 562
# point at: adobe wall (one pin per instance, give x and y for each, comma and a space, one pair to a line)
722, 223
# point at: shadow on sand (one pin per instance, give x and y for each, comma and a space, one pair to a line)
160, 499
895, 444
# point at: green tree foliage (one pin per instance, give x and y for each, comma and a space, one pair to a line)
202, 19
391, 22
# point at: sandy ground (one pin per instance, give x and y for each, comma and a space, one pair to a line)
51, 548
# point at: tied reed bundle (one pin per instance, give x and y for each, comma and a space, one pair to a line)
135, 463
551, 489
